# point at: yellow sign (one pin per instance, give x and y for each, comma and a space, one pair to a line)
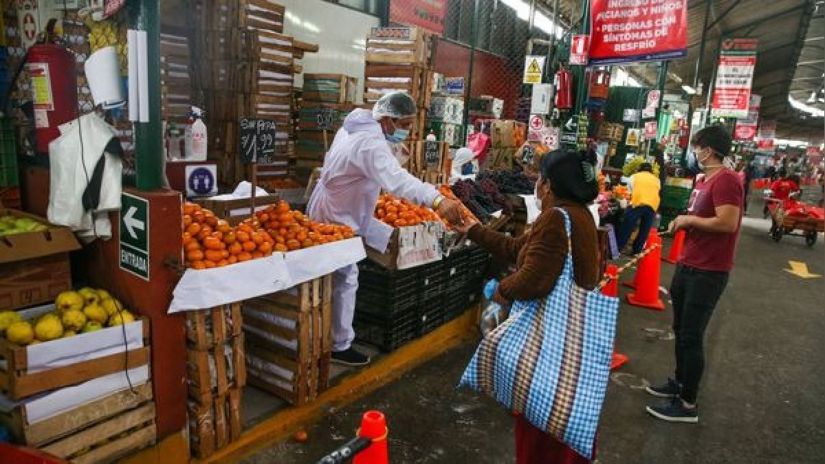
633, 136
800, 269
533, 69
41, 86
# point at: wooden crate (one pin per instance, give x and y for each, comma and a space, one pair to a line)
102, 431
399, 45
231, 14
380, 79
330, 88
17, 383
69, 422
289, 341
215, 424
210, 327
213, 371
224, 208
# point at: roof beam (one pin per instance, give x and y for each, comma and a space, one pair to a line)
756, 22
722, 16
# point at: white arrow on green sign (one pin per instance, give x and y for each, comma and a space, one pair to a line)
134, 235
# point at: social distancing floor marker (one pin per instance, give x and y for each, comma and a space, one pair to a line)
800, 269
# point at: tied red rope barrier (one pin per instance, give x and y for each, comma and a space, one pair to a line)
636, 258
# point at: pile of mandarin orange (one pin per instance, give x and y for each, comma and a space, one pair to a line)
398, 212
211, 242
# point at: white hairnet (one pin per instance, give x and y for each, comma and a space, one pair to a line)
395, 105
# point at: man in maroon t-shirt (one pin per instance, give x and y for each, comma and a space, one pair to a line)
712, 227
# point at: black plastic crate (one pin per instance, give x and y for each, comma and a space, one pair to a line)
387, 333
433, 314
433, 280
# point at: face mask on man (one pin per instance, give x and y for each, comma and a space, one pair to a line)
398, 135
695, 164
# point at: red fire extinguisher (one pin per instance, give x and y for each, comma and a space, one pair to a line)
564, 89
53, 80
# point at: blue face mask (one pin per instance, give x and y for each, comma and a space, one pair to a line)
398, 136
692, 162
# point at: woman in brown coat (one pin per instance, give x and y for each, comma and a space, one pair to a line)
567, 180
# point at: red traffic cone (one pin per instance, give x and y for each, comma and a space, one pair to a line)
676, 247
374, 427
647, 280
612, 286
618, 361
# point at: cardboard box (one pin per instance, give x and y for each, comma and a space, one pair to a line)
446, 109
508, 133
411, 246
34, 266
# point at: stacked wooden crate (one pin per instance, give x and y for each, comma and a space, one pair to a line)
247, 67
326, 99
401, 58
216, 374
62, 397
175, 76
289, 342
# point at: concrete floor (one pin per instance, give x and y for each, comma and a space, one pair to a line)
762, 398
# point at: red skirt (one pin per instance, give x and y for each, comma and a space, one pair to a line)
534, 446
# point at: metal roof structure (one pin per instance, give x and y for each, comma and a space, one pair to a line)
790, 60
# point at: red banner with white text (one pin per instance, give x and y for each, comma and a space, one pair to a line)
637, 30
734, 76
428, 14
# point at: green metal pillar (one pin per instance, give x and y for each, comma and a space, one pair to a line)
148, 135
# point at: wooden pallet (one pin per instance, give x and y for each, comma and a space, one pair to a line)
216, 424
17, 383
289, 341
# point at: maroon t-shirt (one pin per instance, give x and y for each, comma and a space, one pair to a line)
712, 251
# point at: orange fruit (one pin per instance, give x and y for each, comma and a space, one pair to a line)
223, 263
257, 254
235, 248
189, 208
209, 264
194, 255
213, 255
293, 244
242, 236
248, 246
186, 238
232, 259
283, 207
212, 243
193, 228
197, 265
223, 226
391, 218
192, 245
301, 236
244, 256
229, 238
257, 238
265, 247
187, 219
307, 243
281, 247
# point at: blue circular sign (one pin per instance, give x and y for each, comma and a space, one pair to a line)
201, 181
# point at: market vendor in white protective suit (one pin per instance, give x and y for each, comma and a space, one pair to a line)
358, 165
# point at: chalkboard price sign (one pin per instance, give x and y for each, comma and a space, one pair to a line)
431, 155
257, 139
325, 118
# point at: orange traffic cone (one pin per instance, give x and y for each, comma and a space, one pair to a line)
612, 286
374, 427
651, 237
646, 294
676, 247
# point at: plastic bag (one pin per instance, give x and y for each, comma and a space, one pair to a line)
492, 314
479, 142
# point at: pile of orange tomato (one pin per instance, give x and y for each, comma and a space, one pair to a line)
621, 192
210, 242
398, 212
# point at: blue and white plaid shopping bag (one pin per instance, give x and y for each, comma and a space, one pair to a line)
550, 360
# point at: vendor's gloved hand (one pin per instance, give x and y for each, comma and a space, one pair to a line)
499, 298
451, 210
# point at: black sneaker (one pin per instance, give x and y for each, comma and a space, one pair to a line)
671, 389
675, 411
350, 357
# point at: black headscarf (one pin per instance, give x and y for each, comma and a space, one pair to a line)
572, 174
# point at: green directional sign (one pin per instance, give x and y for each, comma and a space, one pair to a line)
134, 235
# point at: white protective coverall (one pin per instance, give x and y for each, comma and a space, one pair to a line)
358, 165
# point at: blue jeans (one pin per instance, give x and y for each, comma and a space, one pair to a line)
642, 215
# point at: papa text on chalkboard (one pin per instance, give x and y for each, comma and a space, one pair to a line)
257, 139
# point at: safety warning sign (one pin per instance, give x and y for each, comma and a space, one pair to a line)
533, 69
